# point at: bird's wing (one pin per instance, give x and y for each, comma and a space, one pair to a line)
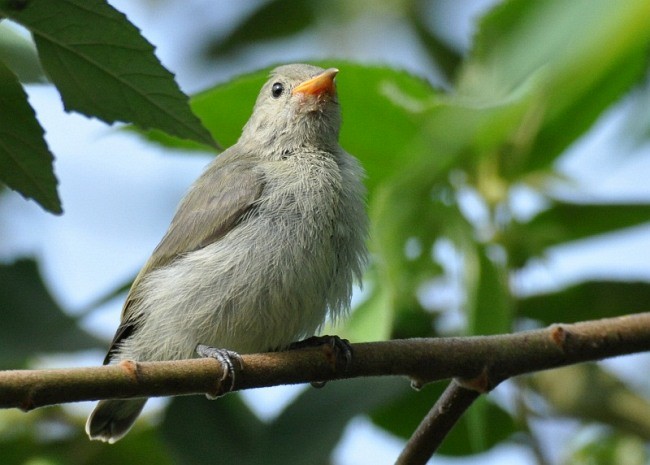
215, 204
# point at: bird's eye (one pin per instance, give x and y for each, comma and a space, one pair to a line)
277, 89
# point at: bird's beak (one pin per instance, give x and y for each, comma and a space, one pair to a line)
318, 85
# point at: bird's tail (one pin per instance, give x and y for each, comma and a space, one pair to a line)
112, 419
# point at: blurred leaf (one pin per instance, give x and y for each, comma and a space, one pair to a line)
103, 67
446, 58
144, 446
19, 54
372, 320
118, 291
637, 119
488, 312
402, 415
588, 392
564, 222
25, 160
308, 427
384, 111
571, 221
198, 431
32, 322
558, 133
609, 447
514, 42
581, 56
274, 19
313, 424
489, 309
587, 301
50, 436
401, 274
418, 200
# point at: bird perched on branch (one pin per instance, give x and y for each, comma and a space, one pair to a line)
264, 245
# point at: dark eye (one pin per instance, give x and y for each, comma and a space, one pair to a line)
277, 89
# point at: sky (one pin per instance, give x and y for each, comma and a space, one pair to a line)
119, 195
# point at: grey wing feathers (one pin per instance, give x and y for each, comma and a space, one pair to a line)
214, 205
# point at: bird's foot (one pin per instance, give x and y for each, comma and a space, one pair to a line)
337, 351
228, 360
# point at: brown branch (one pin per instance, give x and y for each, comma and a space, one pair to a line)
490, 359
437, 423
461, 394
480, 362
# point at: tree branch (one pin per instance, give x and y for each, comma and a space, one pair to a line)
487, 360
436, 424
478, 364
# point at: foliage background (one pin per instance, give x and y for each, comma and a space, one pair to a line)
506, 147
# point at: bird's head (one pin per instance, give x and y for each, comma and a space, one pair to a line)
296, 108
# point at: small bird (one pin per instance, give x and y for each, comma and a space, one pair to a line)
263, 247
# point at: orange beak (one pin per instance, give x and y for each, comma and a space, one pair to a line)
318, 85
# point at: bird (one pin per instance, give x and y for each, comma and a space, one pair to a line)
265, 245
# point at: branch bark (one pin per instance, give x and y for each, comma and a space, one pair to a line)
437, 423
486, 360
478, 364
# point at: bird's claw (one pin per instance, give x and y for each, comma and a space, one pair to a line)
228, 359
338, 352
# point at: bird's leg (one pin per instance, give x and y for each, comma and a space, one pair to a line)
227, 358
338, 352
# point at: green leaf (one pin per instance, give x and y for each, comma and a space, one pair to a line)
581, 55
590, 393
518, 79
383, 143
308, 427
587, 301
514, 42
314, 423
447, 59
558, 133
564, 222
488, 312
20, 55
399, 273
606, 447
403, 414
372, 320
53, 436
489, 308
197, 429
418, 200
224, 108
25, 160
32, 321
274, 19
118, 291
496, 427
103, 67
143, 444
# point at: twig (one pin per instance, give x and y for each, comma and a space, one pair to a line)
436, 424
